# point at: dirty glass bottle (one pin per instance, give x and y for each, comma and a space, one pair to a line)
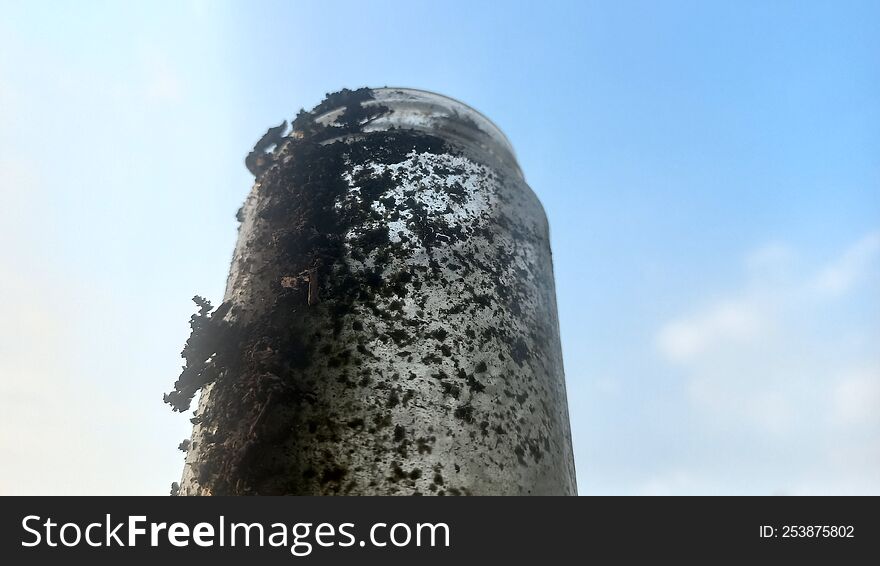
389, 324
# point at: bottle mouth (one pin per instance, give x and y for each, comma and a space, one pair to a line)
436, 114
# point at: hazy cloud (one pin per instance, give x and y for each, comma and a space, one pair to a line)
685, 339
840, 275
856, 397
790, 358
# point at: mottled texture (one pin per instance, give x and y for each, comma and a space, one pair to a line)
389, 325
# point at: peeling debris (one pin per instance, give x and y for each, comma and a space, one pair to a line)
261, 158
206, 351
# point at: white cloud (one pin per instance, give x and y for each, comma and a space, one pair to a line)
841, 275
687, 338
856, 397
789, 359
767, 302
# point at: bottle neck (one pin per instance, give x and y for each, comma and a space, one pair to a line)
434, 114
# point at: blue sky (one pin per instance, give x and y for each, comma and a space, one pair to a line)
711, 173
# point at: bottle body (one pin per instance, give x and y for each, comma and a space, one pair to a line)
394, 316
